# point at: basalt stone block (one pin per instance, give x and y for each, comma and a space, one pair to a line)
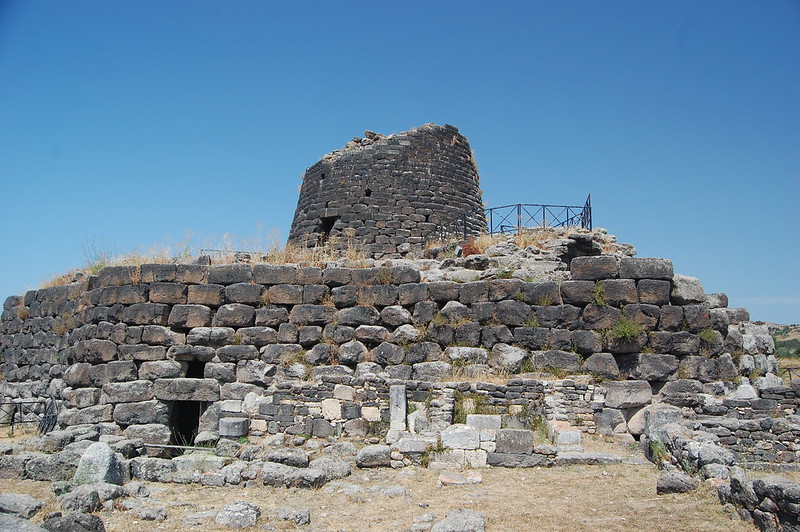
533, 338
82, 397
514, 441
622, 344
411, 293
285, 294
682, 392
557, 360
651, 366
258, 336
114, 371
687, 290
127, 392
161, 369
684, 343
191, 352
222, 372
235, 353
387, 353
653, 292
189, 316
158, 273
210, 336
306, 276
191, 273
141, 413
599, 317
118, 276
86, 416
671, 318
330, 373
374, 456
379, 295
234, 315
473, 292
586, 342
149, 433
351, 353
336, 276
501, 289
472, 355
443, 291
275, 353
423, 352
496, 334
142, 352
124, 295
227, 274
579, 293
170, 293
541, 294
645, 315
699, 368
95, 351
146, 314
603, 365
160, 335
312, 314
52, 467
272, 274
247, 293
212, 295
594, 268
309, 335
513, 313
345, 296
559, 316
645, 268
627, 394
361, 315
271, 316
186, 389
405, 274
315, 294
431, 371
495, 459
394, 316
619, 292
460, 437
696, 318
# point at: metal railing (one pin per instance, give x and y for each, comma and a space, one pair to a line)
792, 373
24, 412
514, 218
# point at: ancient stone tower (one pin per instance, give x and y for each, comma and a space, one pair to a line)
390, 192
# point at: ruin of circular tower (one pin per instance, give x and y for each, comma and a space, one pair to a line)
390, 193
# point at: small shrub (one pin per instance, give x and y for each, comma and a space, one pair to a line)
527, 365
438, 320
242, 440
425, 460
658, 452
625, 329
520, 296
384, 276
545, 300
707, 335
504, 274
599, 294
532, 321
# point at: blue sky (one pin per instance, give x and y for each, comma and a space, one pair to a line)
124, 125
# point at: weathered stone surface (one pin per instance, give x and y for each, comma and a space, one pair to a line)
460, 437
234, 315
226, 274
127, 392
374, 456
610, 422
355, 316
290, 457
603, 365
74, 522
141, 413
514, 441
686, 290
431, 371
57, 466
189, 316
210, 336
627, 394
650, 366
238, 515
645, 268
312, 314
186, 389
17, 524
235, 353
594, 268
508, 357
516, 460
674, 481
461, 521
149, 433
99, 463
557, 360
653, 292
472, 355
20, 505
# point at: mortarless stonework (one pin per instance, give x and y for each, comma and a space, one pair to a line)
390, 192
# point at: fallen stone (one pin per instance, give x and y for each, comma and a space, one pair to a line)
73, 522
17, 524
99, 463
374, 456
238, 515
147, 513
586, 458
461, 521
301, 516
674, 481
19, 504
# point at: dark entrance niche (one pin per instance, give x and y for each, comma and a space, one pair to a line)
326, 224
195, 369
185, 421
368, 192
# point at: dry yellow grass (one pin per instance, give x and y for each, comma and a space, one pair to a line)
614, 498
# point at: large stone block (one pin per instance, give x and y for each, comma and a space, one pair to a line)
514, 441
95, 351
142, 413
227, 274
542, 294
603, 365
618, 292
149, 433
189, 316
650, 366
432, 371
627, 394
653, 292
186, 389
127, 392
355, 316
594, 268
645, 268
169, 293
687, 290
312, 314
247, 293
210, 336
275, 274
234, 315
235, 353
146, 314
212, 295
471, 355
557, 360
579, 293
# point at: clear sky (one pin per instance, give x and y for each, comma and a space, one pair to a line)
125, 125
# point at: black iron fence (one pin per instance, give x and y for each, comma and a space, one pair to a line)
514, 218
40, 411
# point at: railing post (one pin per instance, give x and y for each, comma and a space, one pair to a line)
519, 218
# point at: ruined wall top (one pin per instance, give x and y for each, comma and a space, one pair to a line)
388, 193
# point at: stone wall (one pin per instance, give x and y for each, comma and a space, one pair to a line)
389, 193
128, 347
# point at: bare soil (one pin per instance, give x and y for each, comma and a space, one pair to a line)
614, 498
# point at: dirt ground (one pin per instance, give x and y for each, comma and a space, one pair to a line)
614, 498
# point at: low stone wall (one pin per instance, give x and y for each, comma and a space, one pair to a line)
125, 348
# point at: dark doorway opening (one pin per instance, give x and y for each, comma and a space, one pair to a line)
368, 192
326, 224
185, 421
196, 369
